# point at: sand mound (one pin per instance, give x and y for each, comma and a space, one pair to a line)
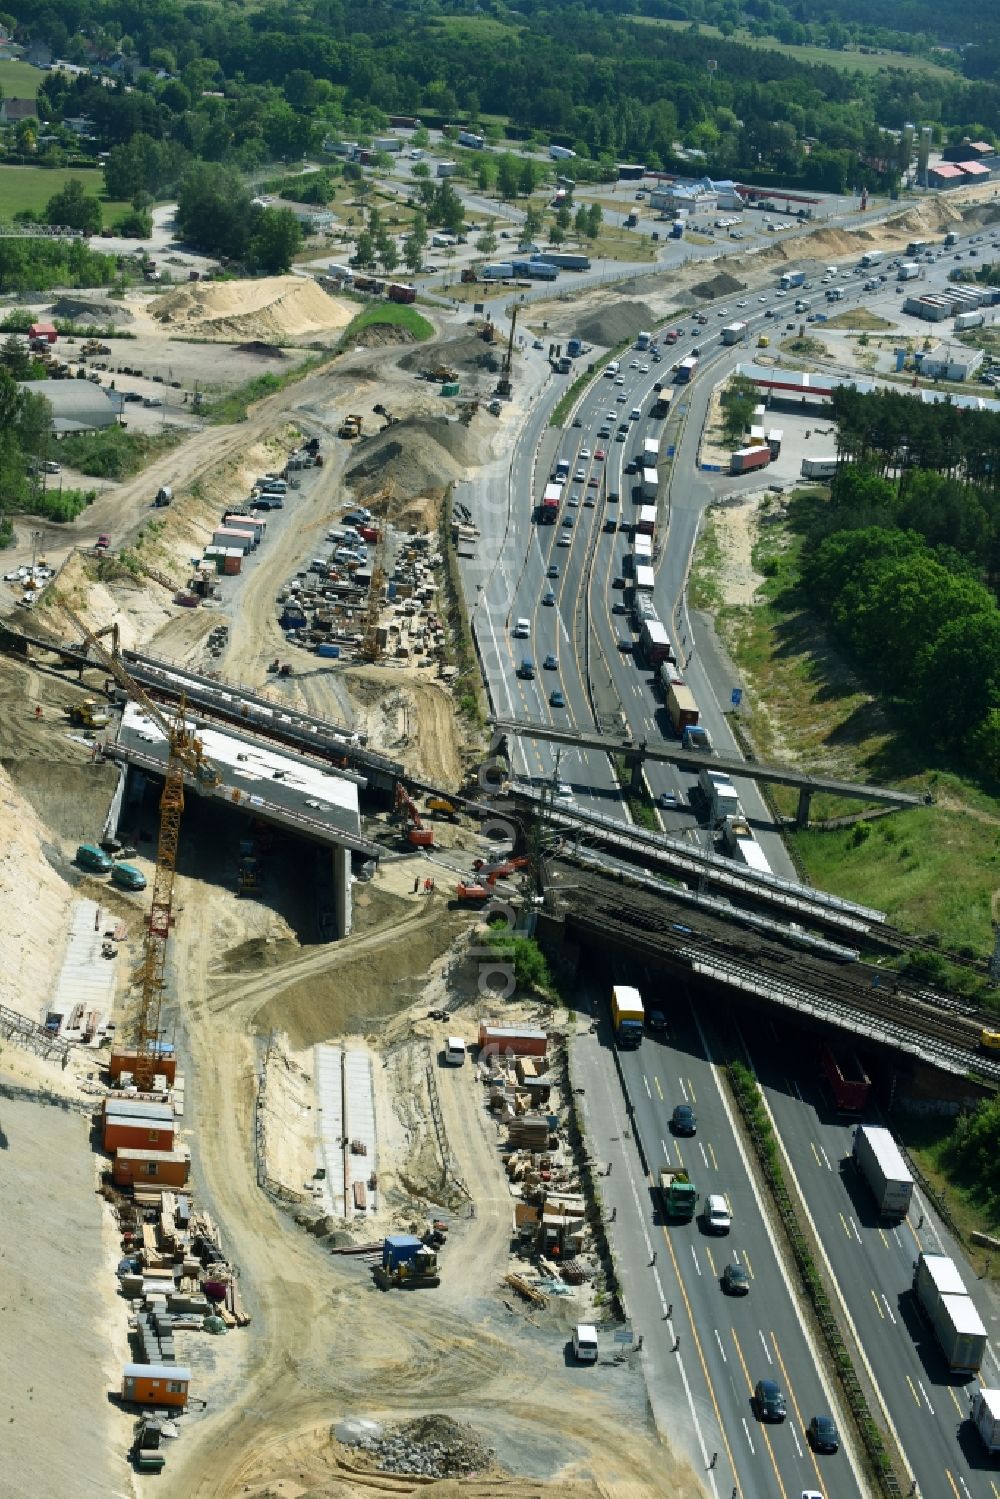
85, 310
720, 285
276, 309
612, 325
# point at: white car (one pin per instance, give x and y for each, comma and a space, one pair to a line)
644, 369
584, 453
718, 1219
565, 540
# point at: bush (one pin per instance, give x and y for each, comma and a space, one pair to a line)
114, 453
530, 967
62, 505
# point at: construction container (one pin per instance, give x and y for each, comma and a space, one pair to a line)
156, 1384
125, 1060
131, 1124
225, 536
214, 557
450, 388
247, 523
499, 1040
151, 1168
328, 650
248, 532
232, 562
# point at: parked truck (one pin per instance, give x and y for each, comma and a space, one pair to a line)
745, 460
846, 1078
818, 468
677, 229
876, 1155
964, 320
627, 1016
678, 1194
985, 1416
681, 706
950, 1312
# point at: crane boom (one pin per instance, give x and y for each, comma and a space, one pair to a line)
184, 753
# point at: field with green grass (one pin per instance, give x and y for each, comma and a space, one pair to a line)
18, 79
32, 187
860, 62
393, 314
933, 869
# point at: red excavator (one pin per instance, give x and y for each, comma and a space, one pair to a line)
481, 887
417, 835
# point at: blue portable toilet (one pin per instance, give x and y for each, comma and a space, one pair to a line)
397, 1249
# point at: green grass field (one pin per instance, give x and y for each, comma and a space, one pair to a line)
32, 187
860, 62
18, 80
396, 315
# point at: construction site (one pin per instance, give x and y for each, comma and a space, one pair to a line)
327, 1200
239, 867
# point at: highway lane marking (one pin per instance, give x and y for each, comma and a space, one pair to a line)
913, 1390
826, 1158
843, 1223
958, 1404
656, 1084
763, 1344
924, 1393
748, 1267
996, 1491
854, 1228
694, 1256
954, 1485
711, 1152
815, 1152
965, 1486
794, 1399
882, 1236
876, 1301
704, 1154
746, 1432
794, 1087
664, 1147
645, 1083
795, 1438
711, 1261
885, 1302
704, 1369
763, 1429
721, 1349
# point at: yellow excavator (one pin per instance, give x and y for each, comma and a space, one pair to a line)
89, 714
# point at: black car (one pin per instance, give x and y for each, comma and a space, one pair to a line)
823, 1434
769, 1400
735, 1280
656, 1020
683, 1121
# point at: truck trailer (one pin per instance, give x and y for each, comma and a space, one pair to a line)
846, 1078
650, 484
818, 468
985, 1416
627, 1016
878, 1158
720, 795
654, 643
791, 279
745, 460
681, 706
908, 271
950, 1312
733, 333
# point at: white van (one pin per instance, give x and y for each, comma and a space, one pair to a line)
272, 484
612, 369
522, 629
585, 1349
454, 1051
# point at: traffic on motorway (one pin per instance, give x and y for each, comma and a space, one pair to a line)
563, 638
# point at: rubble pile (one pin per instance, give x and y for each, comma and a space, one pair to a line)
431, 1446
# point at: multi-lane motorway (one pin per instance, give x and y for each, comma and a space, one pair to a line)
704, 1351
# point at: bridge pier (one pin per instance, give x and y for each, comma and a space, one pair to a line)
634, 763
802, 811
342, 890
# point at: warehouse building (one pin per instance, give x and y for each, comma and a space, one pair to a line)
77, 405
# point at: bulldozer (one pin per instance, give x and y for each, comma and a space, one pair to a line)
89, 714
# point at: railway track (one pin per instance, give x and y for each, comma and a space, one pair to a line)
856, 997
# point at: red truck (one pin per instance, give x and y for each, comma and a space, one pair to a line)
847, 1079
397, 292
745, 460
103, 542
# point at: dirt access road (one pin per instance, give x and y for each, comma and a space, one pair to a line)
324, 1343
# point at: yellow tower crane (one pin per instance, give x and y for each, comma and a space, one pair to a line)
185, 753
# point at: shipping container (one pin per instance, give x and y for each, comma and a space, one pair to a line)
398, 292
819, 468
848, 1081
147, 1129
565, 261
500, 1040
968, 320
124, 1060
498, 270
225, 536
878, 1158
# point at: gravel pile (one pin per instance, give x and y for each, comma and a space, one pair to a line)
431, 1446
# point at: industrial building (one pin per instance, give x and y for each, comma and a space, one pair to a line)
77, 405
948, 362
796, 391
